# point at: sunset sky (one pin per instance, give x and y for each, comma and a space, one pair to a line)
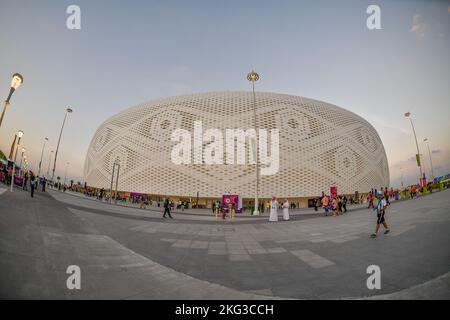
128, 52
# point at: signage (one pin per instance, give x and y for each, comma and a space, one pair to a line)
232, 199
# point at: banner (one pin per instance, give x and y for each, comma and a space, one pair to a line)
333, 191
233, 199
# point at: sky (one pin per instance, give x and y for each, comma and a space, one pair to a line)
129, 52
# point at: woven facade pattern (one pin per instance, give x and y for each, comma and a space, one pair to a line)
320, 145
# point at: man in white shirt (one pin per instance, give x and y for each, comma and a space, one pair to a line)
273, 210
381, 210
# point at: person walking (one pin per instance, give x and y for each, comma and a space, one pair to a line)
335, 206
381, 210
344, 203
325, 201
286, 210
339, 204
371, 200
44, 182
25, 181
273, 210
32, 184
167, 208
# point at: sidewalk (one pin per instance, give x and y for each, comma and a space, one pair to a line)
208, 212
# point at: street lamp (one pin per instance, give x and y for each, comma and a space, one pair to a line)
401, 170
116, 163
24, 169
49, 161
19, 136
419, 163
68, 110
429, 153
21, 158
42, 154
16, 81
253, 77
65, 174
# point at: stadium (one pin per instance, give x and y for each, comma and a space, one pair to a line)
320, 146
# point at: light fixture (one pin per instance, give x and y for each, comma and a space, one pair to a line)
252, 76
16, 80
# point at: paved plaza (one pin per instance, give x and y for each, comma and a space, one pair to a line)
128, 253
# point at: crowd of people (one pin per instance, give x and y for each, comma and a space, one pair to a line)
27, 180
333, 205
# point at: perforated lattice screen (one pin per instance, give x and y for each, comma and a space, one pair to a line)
320, 145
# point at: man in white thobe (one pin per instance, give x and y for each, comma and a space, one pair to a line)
286, 210
273, 210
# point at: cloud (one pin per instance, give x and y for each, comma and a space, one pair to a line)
418, 26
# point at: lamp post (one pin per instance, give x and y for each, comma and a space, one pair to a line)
419, 163
24, 169
16, 81
116, 163
42, 154
68, 110
65, 173
429, 153
21, 158
401, 178
19, 136
253, 77
49, 161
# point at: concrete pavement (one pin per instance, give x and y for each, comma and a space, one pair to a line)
130, 253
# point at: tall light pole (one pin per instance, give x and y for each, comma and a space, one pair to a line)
24, 169
401, 170
16, 81
19, 136
13, 147
49, 161
21, 158
42, 154
116, 163
419, 163
65, 173
68, 110
429, 153
253, 77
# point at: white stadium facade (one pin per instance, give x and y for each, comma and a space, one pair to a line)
320, 145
